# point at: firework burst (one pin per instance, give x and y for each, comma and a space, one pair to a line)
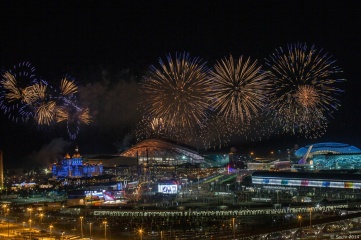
23, 94
304, 88
239, 88
177, 92
15, 92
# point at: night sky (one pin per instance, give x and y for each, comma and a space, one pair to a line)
118, 40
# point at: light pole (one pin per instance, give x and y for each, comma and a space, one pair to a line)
23, 226
228, 187
234, 231
50, 227
4, 207
310, 218
198, 182
300, 219
81, 226
105, 229
30, 211
7, 218
141, 234
30, 228
90, 231
41, 217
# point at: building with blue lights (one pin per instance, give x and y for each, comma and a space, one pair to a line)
332, 156
327, 148
75, 167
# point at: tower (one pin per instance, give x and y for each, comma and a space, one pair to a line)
1, 170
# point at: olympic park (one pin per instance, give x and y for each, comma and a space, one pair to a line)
328, 170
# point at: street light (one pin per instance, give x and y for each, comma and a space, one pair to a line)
41, 217
7, 218
310, 217
23, 226
90, 231
228, 187
30, 211
141, 234
50, 227
234, 231
198, 181
81, 226
4, 207
299, 217
105, 229
30, 228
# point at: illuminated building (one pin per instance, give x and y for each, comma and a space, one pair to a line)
160, 152
326, 148
332, 156
75, 167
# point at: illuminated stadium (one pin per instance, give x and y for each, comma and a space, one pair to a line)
156, 152
330, 156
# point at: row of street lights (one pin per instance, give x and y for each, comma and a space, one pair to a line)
90, 228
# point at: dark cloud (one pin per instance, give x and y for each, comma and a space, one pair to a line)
50, 153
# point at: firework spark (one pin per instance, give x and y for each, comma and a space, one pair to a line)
150, 128
68, 87
304, 88
178, 92
44, 114
216, 132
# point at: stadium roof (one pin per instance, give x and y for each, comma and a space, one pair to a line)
328, 147
161, 148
